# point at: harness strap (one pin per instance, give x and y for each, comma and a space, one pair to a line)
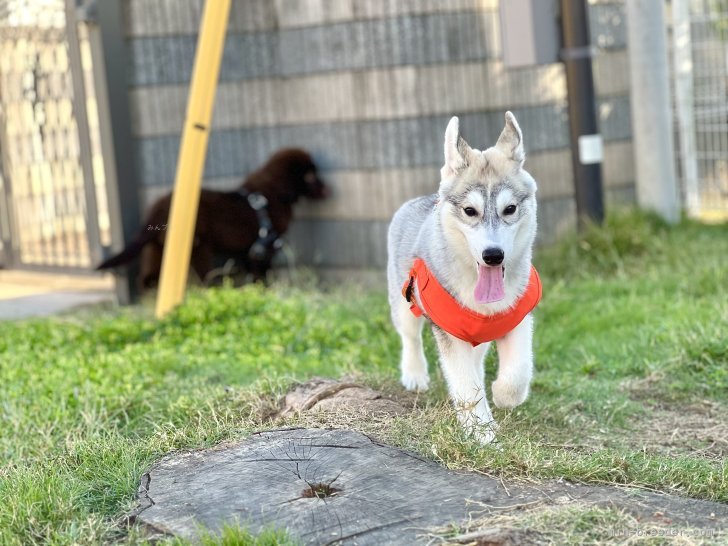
267, 236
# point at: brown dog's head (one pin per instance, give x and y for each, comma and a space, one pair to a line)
297, 167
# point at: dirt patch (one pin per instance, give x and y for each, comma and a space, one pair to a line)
695, 428
329, 395
698, 429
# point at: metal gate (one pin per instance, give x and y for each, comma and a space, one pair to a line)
48, 216
700, 49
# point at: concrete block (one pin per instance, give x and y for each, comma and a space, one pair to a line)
183, 17
618, 168
608, 25
614, 117
611, 72
556, 217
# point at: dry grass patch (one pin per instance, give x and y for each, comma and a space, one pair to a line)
568, 523
699, 429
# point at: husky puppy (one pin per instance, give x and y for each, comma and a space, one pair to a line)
475, 235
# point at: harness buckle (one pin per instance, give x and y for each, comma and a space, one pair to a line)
257, 201
407, 290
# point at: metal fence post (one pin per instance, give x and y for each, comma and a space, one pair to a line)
8, 254
84, 139
651, 114
586, 142
684, 103
108, 51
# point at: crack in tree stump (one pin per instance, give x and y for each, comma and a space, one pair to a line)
340, 486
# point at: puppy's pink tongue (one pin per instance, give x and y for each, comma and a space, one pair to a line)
489, 287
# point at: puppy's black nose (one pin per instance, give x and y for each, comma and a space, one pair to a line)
493, 255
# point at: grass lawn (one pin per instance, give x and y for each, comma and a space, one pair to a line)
631, 385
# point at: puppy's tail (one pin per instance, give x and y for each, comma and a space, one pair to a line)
131, 251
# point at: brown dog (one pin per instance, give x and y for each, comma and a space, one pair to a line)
227, 222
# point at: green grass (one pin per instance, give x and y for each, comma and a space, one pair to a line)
236, 536
632, 326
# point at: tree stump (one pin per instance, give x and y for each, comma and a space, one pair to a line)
340, 486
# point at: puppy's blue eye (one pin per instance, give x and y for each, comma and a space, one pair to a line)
510, 209
470, 211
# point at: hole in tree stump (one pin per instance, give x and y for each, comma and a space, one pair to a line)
319, 491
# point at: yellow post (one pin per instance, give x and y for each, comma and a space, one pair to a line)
191, 161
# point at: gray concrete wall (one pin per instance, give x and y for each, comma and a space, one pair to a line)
367, 87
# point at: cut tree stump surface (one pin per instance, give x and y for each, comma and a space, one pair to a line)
340, 486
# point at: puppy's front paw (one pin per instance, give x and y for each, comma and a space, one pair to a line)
485, 433
508, 395
480, 426
415, 382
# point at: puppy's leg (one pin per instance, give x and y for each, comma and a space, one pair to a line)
515, 365
201, 260
413, 364
462, 365
150, 265
259, 269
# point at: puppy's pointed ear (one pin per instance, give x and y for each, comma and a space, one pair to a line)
510, 141
456, 150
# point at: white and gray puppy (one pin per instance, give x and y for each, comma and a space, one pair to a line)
476, 236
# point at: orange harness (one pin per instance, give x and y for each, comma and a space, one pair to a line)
444, 310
